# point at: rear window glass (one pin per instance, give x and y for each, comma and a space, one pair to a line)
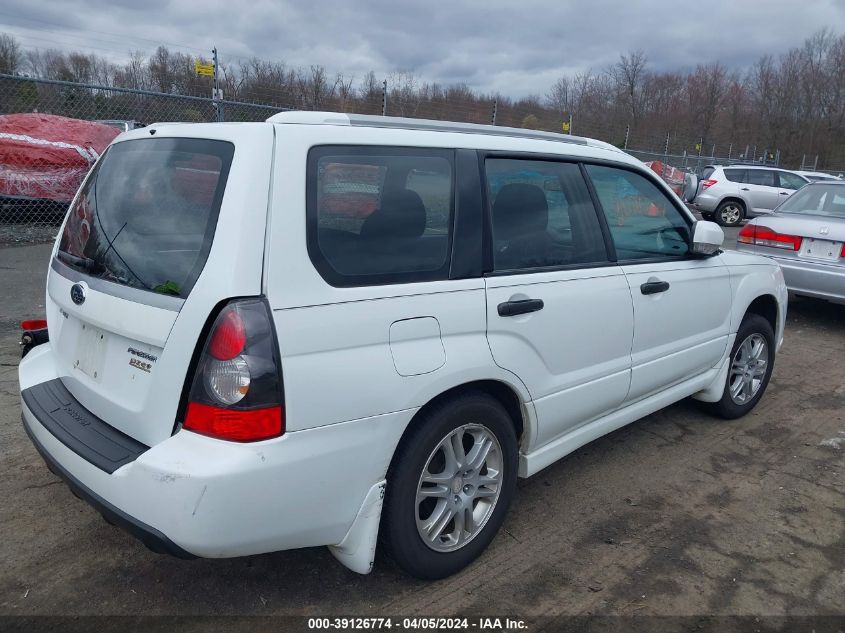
762, 177
146, 216
735, 175
818, 199
378, 214
707, 172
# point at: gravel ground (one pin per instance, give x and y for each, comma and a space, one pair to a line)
677, 514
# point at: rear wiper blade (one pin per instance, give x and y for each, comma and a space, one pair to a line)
85, 263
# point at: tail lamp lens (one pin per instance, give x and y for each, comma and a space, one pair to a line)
228, 337
228, 380
236, 393
34, 324
705, 184
760, 235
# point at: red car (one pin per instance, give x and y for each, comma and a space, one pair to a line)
44, 158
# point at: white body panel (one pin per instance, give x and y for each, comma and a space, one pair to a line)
359, 362
587, 314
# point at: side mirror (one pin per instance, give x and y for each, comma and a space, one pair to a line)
707, 238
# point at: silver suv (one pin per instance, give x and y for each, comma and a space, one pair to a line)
729, 195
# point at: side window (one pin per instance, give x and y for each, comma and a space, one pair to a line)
735, 175
379, 215
541, 215
643, 221
764, 177
790, 181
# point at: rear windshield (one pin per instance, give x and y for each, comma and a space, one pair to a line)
146, 216
817, 199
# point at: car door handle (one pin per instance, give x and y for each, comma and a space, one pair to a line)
653, 287
744, 189
784, 193
523, 306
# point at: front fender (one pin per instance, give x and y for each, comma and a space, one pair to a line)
752, 277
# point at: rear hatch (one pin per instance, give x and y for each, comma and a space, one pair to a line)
168, 225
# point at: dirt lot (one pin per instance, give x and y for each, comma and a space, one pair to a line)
677, 514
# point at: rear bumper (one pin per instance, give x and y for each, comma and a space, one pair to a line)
192, 495
149, 536
812, 279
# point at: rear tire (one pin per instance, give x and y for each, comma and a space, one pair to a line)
747, 377
730, 213
436, 522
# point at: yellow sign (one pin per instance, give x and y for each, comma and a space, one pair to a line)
698, 147
204, 69
565, 126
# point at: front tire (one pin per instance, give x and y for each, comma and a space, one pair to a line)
752, 361
730, 213
449, 486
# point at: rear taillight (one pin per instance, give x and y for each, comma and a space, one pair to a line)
708, 183
34, 324
764, 236
842, 254
236, 393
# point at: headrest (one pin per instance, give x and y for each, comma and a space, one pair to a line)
400, 214
519, 209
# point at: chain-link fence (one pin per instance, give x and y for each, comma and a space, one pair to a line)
44, 158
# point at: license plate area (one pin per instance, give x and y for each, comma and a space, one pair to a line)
824, 250
90, 351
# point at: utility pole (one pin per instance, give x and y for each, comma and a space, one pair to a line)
570, 124
495, 109
627, 132
217, 95
384, 98
730, 150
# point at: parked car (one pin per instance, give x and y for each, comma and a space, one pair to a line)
814, 176
263, 369
806, 236
123, 125
730, 195
43, 160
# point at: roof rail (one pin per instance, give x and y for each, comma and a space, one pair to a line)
366, 120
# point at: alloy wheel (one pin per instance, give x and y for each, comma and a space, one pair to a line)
459, 487
748, 368
731, 214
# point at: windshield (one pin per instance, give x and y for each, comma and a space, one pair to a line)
817, 199
146, 216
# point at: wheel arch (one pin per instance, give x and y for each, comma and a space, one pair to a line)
766, 306
732, 198
504, 393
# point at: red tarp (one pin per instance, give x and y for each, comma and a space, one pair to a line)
673, 176
46, 157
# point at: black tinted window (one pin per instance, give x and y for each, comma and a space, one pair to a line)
379, 215
147, 213
643, 221
707, 172
765, 177
542, 215
735, 175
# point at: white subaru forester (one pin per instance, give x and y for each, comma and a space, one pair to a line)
342, 330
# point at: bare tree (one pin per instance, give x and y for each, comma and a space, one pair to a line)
629, 74
10, 54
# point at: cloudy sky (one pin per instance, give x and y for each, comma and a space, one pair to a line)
516, 48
